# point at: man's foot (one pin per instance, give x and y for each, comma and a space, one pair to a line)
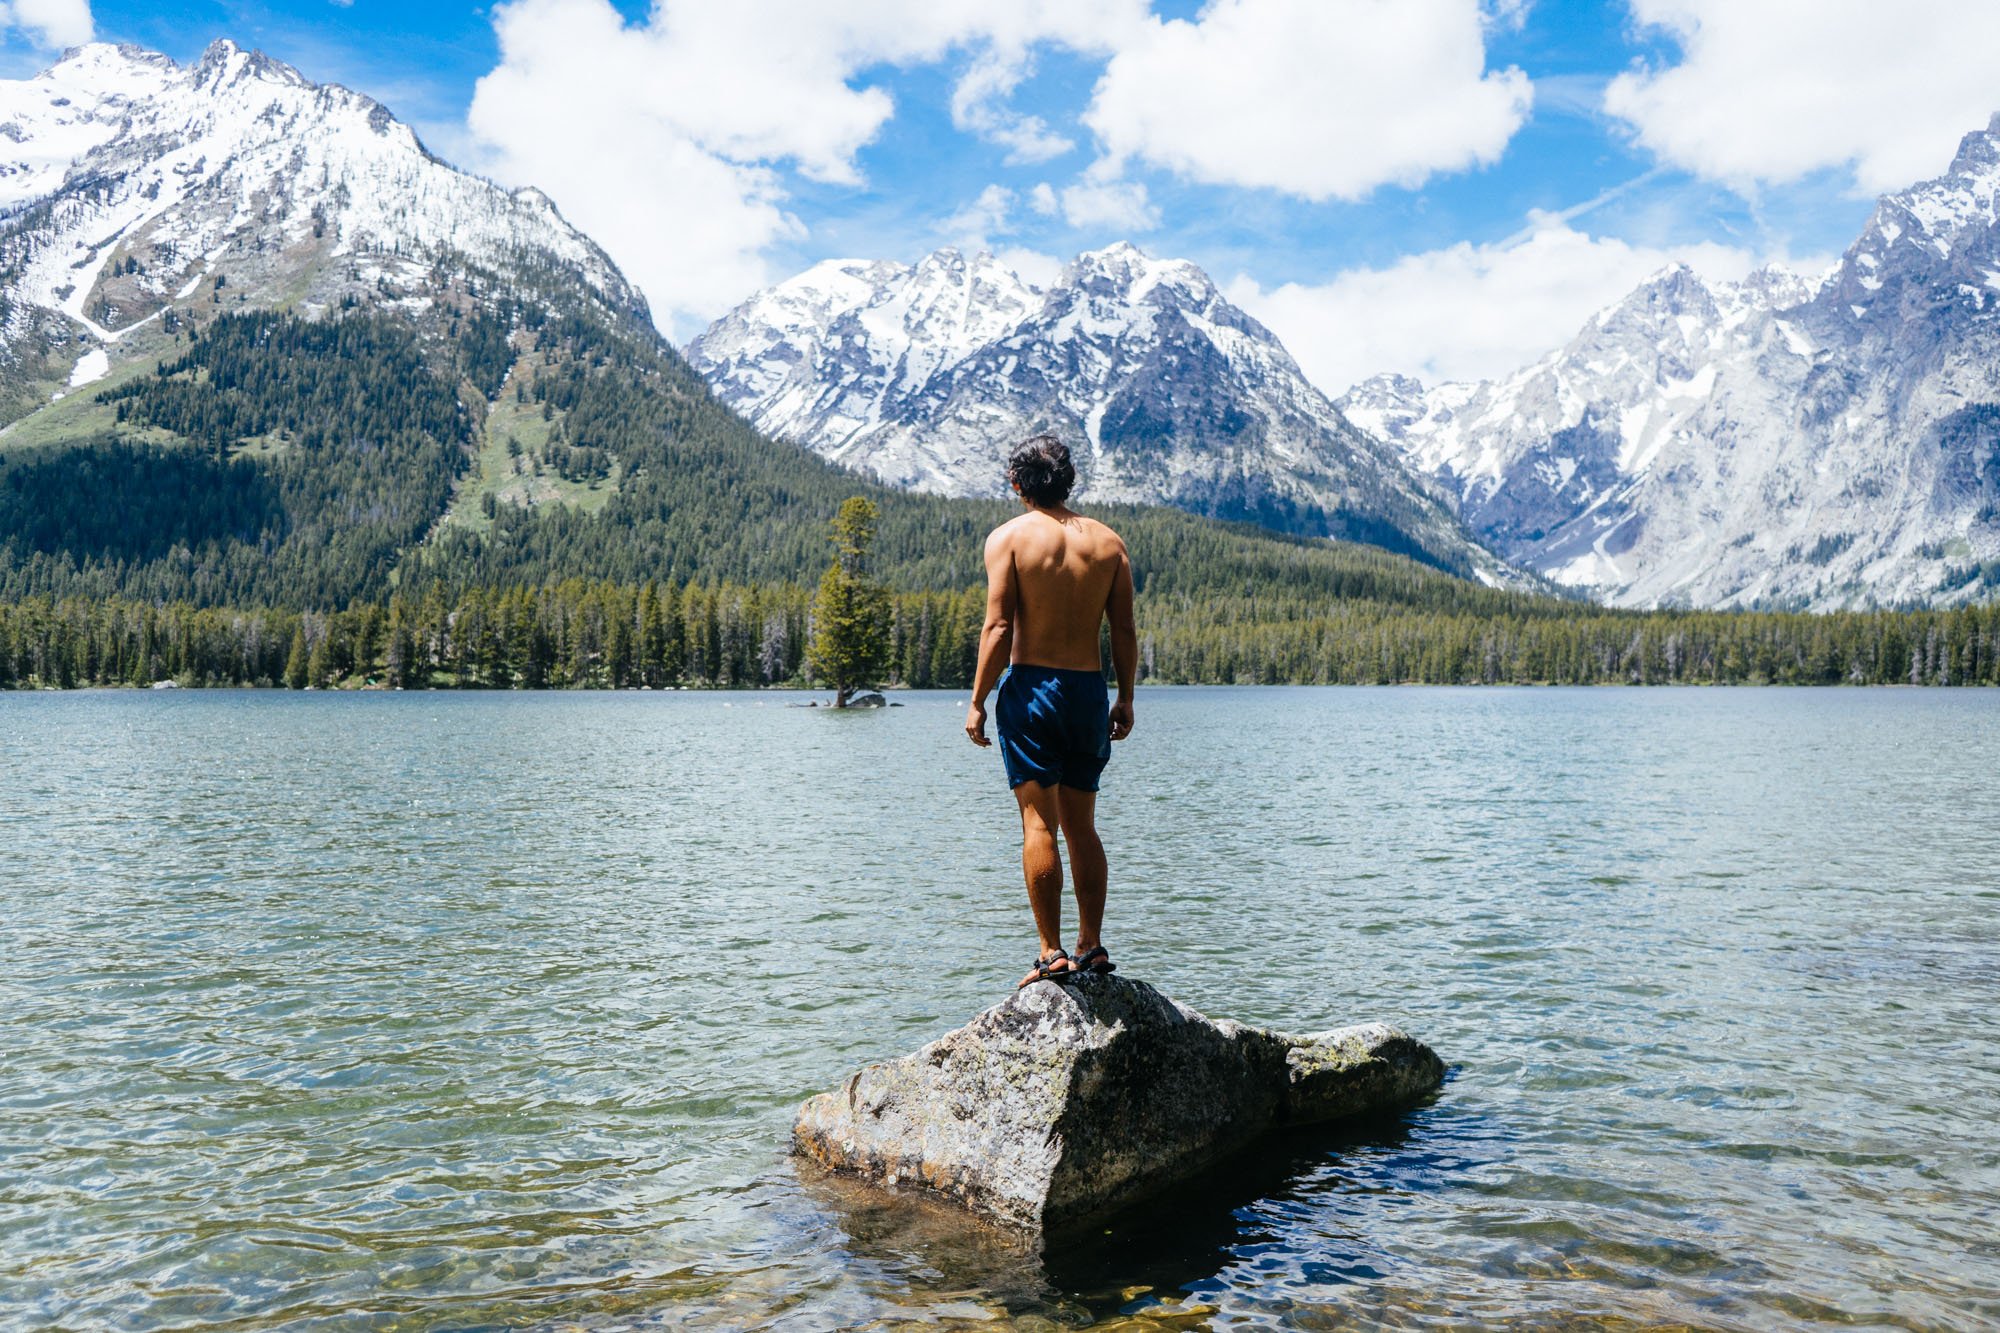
1095, 959
1054, 967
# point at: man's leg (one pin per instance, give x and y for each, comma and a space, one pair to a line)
1041, 864
1077, 813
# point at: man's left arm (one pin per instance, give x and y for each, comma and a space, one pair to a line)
1124, 646
996, 638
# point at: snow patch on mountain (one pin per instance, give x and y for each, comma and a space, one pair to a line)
128, 181
1773, 442
926, 375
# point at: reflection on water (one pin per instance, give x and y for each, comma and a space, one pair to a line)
1157, 1259
431, 1011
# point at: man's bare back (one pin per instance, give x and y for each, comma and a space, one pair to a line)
1066, 570
1053, 577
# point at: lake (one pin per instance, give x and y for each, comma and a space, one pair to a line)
443, 1011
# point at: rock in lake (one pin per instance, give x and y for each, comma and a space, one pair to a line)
1066, 1101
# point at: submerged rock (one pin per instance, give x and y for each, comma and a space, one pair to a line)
1065, 1101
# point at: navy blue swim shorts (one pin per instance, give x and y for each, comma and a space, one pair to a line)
1054, 725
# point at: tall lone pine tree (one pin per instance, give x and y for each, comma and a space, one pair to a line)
850, 637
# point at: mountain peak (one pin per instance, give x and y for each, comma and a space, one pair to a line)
1126, 271
1800, 441
170, 173
1169, 394
108, 68
226, 62
1978, 152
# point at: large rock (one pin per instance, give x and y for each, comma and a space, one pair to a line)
1065, 1101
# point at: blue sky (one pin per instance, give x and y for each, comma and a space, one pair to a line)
1440, 187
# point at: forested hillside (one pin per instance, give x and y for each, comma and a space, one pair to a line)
276, 461
311, 440
285, 501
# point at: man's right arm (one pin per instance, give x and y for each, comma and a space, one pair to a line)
1124, 645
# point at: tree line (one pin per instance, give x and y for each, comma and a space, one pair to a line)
265, 509
581, 634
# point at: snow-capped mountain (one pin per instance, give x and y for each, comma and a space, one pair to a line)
1769, 442
129, 183
926, 376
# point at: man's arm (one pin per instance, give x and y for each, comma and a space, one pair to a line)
1124, 646
996, 640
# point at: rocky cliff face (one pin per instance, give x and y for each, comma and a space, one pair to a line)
131, 184
925, 376
1770, 442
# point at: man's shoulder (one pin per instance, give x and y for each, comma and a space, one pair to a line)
1104, 535
1005, 535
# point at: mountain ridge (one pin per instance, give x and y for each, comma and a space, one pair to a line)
923, 374
263, 349
1769, 443
128, 182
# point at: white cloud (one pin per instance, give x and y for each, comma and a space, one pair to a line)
1109, 205
1043, 199
984, 217
1319, 98
663, 139
573, 109
53, 23
978, 104
1038, 268
1770, 91
1467, 311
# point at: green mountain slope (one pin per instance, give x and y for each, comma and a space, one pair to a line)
512, 436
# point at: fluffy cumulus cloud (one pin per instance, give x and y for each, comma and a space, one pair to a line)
1771, 91
1100, 204
51, 23
984, 218
1467, 311
979, 104
1038, 268
1325, 99
665, 140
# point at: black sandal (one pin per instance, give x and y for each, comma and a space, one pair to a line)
1103, 968
1045, 972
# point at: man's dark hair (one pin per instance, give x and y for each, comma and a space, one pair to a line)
1041, 468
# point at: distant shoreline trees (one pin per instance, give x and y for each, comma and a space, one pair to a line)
605, 635
275, 506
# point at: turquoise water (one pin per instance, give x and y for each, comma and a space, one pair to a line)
449, 1011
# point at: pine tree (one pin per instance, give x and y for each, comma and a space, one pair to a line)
296, 661
319, 663
850, 641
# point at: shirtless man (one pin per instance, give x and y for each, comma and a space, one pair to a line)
1052, 576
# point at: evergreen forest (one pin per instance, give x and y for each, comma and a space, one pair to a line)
289, 501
